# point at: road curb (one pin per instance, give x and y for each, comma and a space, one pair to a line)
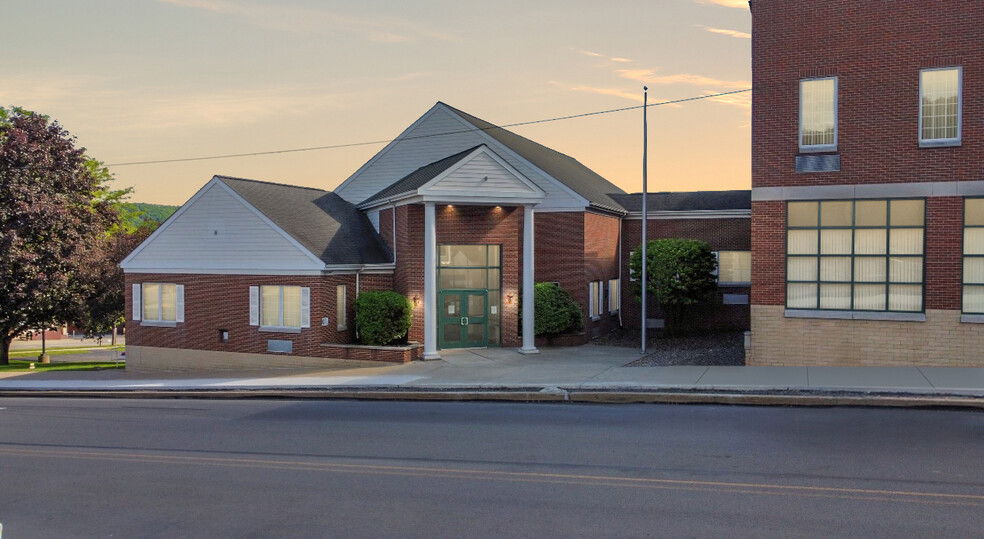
531, 395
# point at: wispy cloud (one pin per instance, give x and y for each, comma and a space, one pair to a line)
732, 33
615, 92
743, 100
305, 20
592, 54
741, 4
648, 76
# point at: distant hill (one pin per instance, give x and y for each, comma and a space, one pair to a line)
151, 212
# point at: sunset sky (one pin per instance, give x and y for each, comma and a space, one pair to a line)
142, 80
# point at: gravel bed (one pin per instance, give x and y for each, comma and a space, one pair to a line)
709, 349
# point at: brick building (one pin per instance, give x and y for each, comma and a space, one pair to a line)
867, 178
458, 215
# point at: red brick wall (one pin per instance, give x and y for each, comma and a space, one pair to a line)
876, 49
601, 264
728, 234
944, 253
408, 278
217, 302
769, 253
557, 253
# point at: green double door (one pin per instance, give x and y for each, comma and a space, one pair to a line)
463, 321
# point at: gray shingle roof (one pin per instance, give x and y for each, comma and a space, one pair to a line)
419, 177
688, 201
321, 221
579, 178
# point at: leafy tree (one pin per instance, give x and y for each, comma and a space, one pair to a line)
102, 304
55, 205
680, 273
555, 310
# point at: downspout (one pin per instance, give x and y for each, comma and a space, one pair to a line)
394, 232
620, 271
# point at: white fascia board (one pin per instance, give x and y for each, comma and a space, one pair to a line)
347, 269
341, 187
224, 271
314, 258
174, 217
692, 214
410, 197
492, 142
466, 200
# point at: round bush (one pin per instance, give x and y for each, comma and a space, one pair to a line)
382, 317
555, 310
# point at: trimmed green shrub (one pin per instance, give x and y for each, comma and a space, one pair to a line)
681, 276
554, 310
382, 317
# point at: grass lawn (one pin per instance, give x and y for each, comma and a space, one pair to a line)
34, 353
18, 365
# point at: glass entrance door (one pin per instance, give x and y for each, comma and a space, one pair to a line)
463, 320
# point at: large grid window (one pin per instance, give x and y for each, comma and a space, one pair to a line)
973, 256
863, 255
818, 114
160, 301
939, 106
280, 306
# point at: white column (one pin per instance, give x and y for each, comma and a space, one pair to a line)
529, 342
430, 282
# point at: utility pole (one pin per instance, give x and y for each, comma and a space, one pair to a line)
645, 213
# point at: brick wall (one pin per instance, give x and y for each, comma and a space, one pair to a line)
221, 302
876, 50
768, 253
727, 234
601, 264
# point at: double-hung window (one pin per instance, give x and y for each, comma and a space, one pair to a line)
734, 267
595, 299
818, 115
939, 106
613, 295
862, 255
158, 303
278, 307
973, 256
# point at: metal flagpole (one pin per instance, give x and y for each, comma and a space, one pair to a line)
645, 214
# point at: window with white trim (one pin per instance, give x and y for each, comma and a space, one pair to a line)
973, 256
939, 106
613, 296
280, 306
159, 302
595, 304
862, 255
734, 267
818, 115
340, 311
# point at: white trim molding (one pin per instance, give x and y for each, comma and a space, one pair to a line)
870, 190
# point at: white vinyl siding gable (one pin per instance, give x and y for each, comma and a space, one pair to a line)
217, 231
424, 144
481, 173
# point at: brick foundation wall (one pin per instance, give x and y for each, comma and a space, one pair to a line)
726, 234
941, 341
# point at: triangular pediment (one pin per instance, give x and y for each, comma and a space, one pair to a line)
481, 175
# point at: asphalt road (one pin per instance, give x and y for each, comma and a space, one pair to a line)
184, 468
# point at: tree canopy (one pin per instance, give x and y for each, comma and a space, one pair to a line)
55, 207
680, 273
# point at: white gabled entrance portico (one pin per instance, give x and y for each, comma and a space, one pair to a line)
480, 178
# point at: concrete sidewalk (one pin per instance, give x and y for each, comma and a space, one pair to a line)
559, 373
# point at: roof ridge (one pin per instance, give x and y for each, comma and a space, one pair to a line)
265, 182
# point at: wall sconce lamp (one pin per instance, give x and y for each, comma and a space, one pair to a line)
416, 300
509, 299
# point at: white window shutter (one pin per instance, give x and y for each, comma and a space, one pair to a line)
254, 305
179, 303
305, 307
136, 302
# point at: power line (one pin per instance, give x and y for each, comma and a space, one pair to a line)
387, 141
